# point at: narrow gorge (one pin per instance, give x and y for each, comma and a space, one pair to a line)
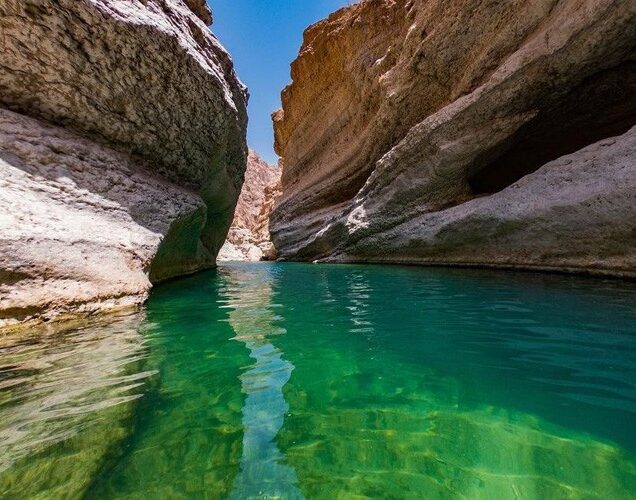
411, 273
249, 238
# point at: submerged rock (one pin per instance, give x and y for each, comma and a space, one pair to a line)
249, 237
122, 151
67, 404
429, 132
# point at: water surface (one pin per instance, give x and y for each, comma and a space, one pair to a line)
303, 381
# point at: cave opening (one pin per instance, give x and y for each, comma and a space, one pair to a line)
602, 106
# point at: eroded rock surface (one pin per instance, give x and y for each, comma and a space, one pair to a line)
122, 151
442, 132
249, 237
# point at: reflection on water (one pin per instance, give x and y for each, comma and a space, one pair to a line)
430, 383
263, 472
65, 403
293, 380
188, 433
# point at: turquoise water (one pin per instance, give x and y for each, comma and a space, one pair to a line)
307, 381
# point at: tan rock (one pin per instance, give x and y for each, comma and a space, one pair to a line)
201, 9
249, 237
436, 132
84, 228
122, 155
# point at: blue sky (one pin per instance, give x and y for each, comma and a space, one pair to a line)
263, 37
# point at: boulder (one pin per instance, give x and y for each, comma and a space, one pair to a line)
122, 151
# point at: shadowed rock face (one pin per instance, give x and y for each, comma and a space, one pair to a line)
249, 237
439, 132
122, 151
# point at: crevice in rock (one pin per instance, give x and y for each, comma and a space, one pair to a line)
602, 106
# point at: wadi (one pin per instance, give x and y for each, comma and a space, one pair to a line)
372, 249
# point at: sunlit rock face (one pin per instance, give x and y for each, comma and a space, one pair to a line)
434, 132
201, 9
249, 238
122, 151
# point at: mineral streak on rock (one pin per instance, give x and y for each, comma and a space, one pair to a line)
249, 237
448, 132
122, 151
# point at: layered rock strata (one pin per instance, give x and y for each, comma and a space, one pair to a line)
249, 238
122, 151
454, 133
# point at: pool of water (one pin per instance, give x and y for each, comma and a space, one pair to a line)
319, 381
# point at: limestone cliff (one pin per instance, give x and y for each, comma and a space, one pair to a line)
488, 133
249, 237
122, 151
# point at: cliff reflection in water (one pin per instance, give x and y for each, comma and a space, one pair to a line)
65, 403
263, 472
291, 380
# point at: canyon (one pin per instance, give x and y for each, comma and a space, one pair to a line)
122, 152
497, 134
433, 133
249, 238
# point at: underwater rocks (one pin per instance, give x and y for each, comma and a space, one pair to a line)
122, 151
249, 237
441, 133
68, 404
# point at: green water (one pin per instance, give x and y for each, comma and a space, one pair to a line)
334, 382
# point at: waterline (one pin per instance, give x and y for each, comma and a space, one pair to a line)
292, 380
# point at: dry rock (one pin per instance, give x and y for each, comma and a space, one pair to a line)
249, 238
122, 151
454, 133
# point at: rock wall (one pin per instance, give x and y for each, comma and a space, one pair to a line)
496, 133
122, 151
249, 238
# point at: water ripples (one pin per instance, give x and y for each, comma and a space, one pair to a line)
72, 388
293, 380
